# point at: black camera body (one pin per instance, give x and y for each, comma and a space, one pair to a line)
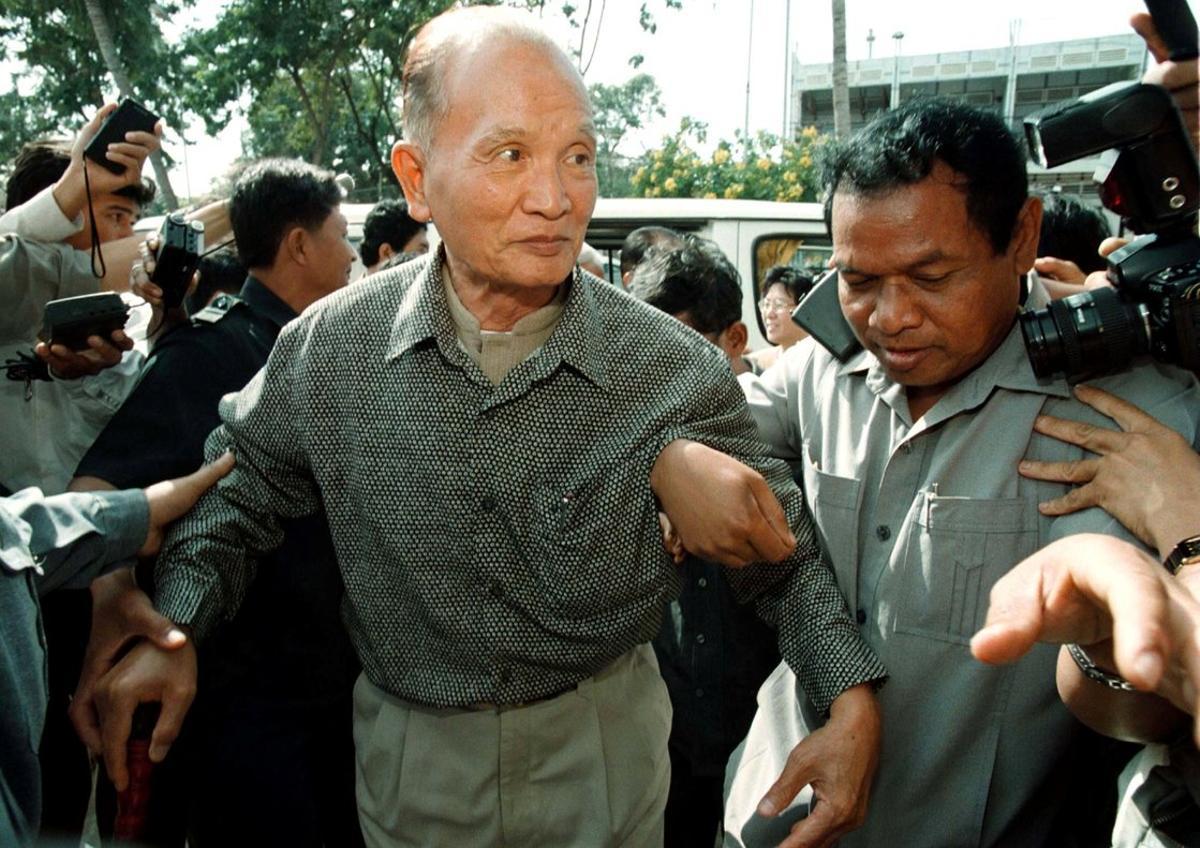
71, 320
180, 243
1149, 176
130, 116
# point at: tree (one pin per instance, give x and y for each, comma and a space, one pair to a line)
112, 60
841, 87
322, 78
61, 75
619, 109
758, 167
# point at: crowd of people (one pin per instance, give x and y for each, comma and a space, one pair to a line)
485, 549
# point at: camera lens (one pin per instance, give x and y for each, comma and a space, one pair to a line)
1084, 335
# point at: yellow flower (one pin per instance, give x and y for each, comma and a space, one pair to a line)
734, 191
789, 176
639, 174
653, 178
809, 132
720, 156
763, 164
710, 195
805, 161
669, 184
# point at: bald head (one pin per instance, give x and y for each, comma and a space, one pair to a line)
448, 42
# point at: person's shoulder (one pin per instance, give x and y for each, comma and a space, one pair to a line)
1170, 394
364, 298
212, 335
624, 316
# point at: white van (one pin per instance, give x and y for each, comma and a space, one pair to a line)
754, 234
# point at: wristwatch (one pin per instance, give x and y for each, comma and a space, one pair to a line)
1097, 674
1186, 552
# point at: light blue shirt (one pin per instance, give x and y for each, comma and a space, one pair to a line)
45, 543
920, 519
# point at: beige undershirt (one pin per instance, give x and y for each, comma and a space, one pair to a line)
497, 353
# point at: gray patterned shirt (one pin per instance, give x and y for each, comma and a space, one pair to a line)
498, 543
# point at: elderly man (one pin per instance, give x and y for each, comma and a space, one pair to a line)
910, 452
482, 428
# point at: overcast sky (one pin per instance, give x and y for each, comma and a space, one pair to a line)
699, 55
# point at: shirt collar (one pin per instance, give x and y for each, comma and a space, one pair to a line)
264, 301
1008, 368
424, 315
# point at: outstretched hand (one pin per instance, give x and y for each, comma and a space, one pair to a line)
1098, 590
170, 499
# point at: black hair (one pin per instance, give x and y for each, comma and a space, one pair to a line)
797, 283
272, 196
900, 148
1072, 230
219, 272
388, 222
40, 163
634, 248
696, 278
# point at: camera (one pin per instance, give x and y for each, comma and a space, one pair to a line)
70, 321
1148, 175
130, 116
180, 243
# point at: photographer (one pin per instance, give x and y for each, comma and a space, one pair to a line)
50, 424
1130, 622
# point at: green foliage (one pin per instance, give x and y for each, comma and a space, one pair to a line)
316, 79
322, 79
65, 79
617, 110
758, 167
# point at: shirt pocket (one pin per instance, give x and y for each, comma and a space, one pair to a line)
585, 565
957, 548
834, 503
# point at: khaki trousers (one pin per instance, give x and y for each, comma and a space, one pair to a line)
586, 768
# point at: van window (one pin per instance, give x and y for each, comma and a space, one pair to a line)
806, 253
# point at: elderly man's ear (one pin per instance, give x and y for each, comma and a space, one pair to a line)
408, 163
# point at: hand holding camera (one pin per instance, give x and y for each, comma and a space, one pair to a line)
120, 148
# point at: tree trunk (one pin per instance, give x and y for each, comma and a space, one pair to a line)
108, 50
841, 88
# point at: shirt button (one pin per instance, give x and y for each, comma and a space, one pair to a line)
700, 640
702, 582
883, 532
699, 693
861, 616
487, 504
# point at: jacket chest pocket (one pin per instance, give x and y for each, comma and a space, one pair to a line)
834, 503
956, 550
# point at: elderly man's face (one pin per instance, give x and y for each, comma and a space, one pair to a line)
510, 180
920, 283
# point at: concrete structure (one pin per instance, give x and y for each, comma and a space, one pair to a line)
1014, 81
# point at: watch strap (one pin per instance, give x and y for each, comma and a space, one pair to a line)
1187, 552
1097, 674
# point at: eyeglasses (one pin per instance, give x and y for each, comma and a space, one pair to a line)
770, 305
